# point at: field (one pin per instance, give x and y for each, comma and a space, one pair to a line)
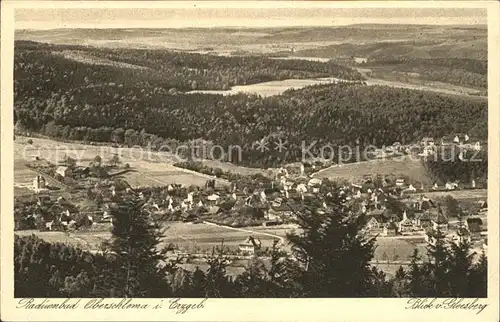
23, 178
460, 194
203, 237
226, 166
148, 168
185, 235
271, 88
312, 41
355, 172
86, 58
392, 248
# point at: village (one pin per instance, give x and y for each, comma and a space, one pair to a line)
72, 197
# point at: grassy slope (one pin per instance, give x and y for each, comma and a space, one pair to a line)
356, 171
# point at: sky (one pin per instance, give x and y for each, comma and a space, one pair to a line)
240, 17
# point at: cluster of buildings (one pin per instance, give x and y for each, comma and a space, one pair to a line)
428, 146
392, 208
49, 212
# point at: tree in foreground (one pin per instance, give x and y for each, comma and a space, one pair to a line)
451, 270
333, 252
140, 270
217, 283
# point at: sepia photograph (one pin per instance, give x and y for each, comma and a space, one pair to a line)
201, 152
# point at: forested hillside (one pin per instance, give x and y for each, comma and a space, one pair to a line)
459, 71
42, 67
459, 59
72, 100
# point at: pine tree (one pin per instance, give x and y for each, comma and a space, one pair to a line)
479, 278
400, 284
216, 280
79, 286
419, 277
135, 246
197, 284
439, 265
460, 268
334, 254
253, 282
283, 274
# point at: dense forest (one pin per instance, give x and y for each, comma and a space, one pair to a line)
65, 66
330, 258
459, 71
66, 99
455, 165
338, 115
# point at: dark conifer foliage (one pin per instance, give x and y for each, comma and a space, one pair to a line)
334, 253
135, 248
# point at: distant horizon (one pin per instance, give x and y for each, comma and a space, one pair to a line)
479, 25
233, 17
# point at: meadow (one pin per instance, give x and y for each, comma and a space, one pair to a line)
389, 253
356, 172
187, 236
148, 168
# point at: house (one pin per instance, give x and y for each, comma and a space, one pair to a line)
475, 224
372, 224
277, 202
411, 188
263, 196
400, 182
356, 187
39, 184
483, 205
314, 182
405, 225
451, 185
213, 198
273, 215
427, 141
301, 188
64, 171
425, 220
296, 168
378, 214
48, 225
250, 245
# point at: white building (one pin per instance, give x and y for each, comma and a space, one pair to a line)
39, 184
